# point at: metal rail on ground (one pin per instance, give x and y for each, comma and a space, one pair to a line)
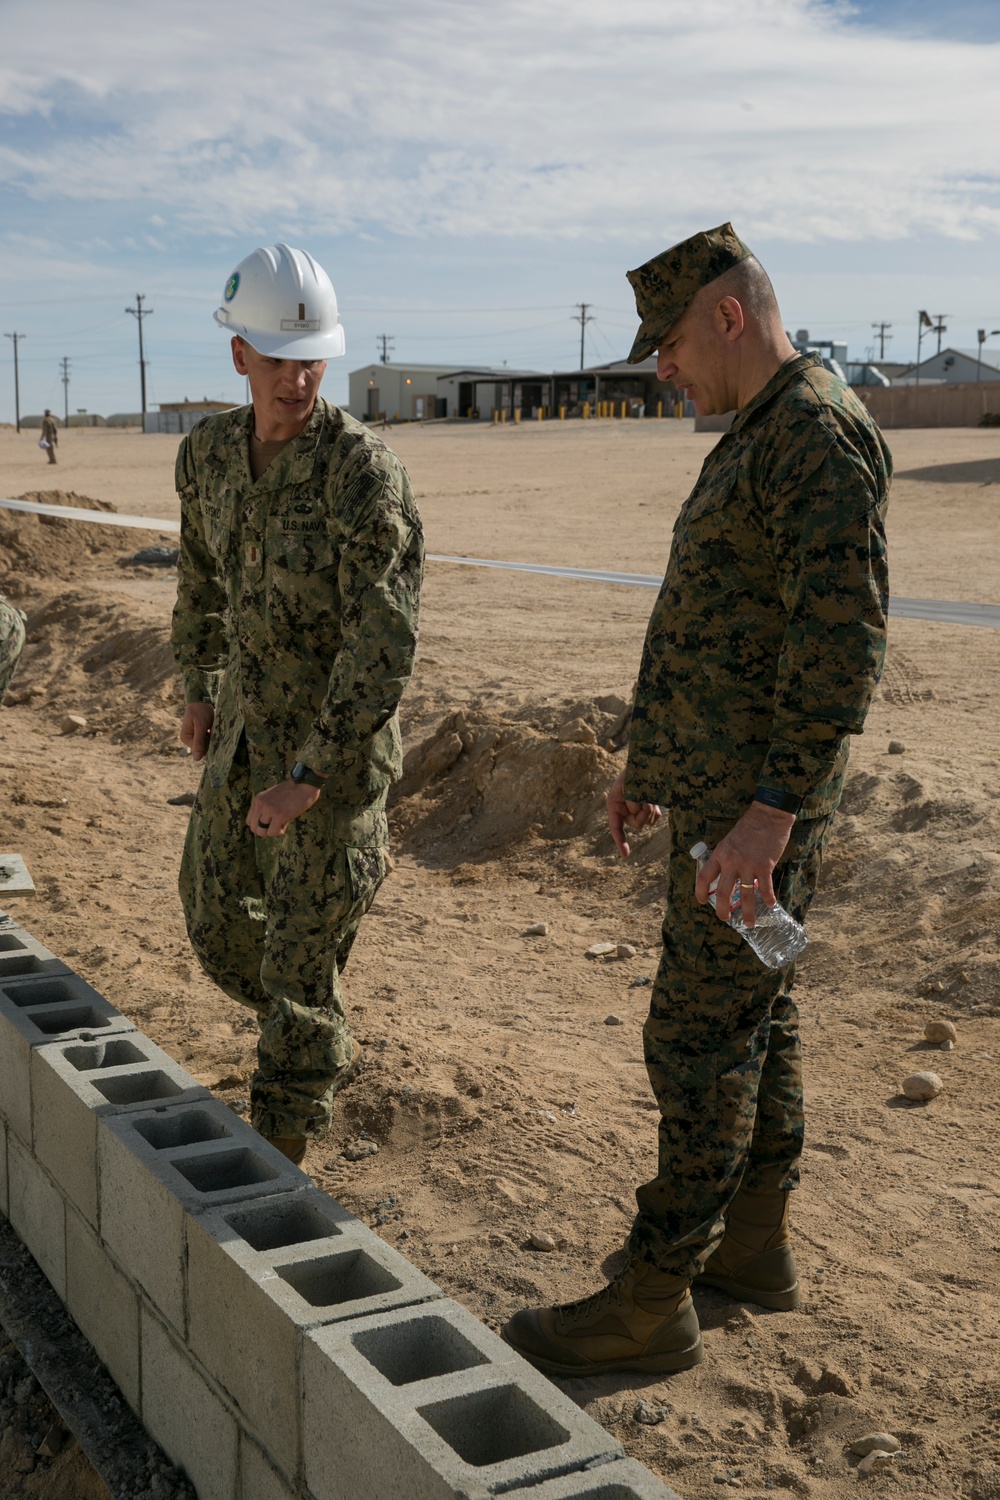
944, 611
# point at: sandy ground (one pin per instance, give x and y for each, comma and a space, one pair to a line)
501, 1094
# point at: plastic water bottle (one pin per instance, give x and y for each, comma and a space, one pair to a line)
776, 937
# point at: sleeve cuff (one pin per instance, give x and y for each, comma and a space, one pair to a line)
201, 686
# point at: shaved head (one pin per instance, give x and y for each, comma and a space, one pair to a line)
751, 286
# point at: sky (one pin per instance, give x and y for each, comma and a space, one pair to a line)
469, 173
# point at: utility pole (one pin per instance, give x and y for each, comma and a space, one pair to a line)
387, 343
583, 318
883, 338
17, 385
941, 327
923, 321
65, 381
139, 312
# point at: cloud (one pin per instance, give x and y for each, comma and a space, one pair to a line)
525, 120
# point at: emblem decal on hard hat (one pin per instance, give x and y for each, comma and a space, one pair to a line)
232, 286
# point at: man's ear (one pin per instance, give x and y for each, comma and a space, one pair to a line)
729, 318
239, 357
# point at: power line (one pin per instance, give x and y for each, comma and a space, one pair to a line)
17, 382
941, 327
583, 318
139, 312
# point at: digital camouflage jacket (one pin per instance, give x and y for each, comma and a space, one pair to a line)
297, 599
767, 638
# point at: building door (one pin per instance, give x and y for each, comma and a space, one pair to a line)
373, 406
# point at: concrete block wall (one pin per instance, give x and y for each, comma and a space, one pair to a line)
272, 1344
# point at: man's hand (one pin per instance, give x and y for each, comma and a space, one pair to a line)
272, 811
196, 728
749, 852
621, 812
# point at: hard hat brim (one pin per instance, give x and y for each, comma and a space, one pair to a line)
330, 344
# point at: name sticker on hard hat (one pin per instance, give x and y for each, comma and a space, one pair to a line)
299, 325
232, 286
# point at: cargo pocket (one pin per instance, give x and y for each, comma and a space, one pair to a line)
365, 873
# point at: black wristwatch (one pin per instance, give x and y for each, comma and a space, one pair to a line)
302, 775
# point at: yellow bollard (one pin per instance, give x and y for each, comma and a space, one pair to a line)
624, 409
659, 408
586, 411
562, 413
517, 414
539, 412
496, 415
503, 414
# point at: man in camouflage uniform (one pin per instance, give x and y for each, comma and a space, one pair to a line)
762, 654
11, 642
50, 434
295, 629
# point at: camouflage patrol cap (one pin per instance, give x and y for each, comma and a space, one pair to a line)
665, 286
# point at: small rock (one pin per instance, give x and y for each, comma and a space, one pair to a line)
922, 1086
564, 817
639, 981
53, 1442
875, 1442
72, 723
359, 1150
896, 747
648, 1414
600, 950
874, 1460
613, 1021
539, 929
542, 1241
186, 799
947, 1045
940, 1031
625, 950
441, 755
577, 732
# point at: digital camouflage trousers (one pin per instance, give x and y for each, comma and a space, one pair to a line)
272, 922
723, 1055
11, 642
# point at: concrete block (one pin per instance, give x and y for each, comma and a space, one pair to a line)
623, 1480
185, 1416
37, 1213
155, 1164
36, 1011
259, 1480
261, 1273
431, 1404
23, 956
74, 1083
104, 1305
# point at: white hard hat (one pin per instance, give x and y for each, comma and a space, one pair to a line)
283, 303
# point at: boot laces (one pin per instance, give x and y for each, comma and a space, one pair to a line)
572, 1312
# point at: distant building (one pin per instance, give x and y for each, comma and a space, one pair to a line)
180, 416
635, 387
953, 366
408, 393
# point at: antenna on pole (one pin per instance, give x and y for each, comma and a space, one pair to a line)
583, 318
17, 384
65, 381
139, 312
387, 343
883, 337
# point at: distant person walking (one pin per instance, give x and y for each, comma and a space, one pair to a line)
295, 629
50, 434
762, 654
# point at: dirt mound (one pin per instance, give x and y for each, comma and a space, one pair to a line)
109, 661
479, 784
36, 547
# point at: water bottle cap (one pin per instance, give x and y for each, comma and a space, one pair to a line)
699, 850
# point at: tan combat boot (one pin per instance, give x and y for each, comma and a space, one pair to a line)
754, 1262
643, 1320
